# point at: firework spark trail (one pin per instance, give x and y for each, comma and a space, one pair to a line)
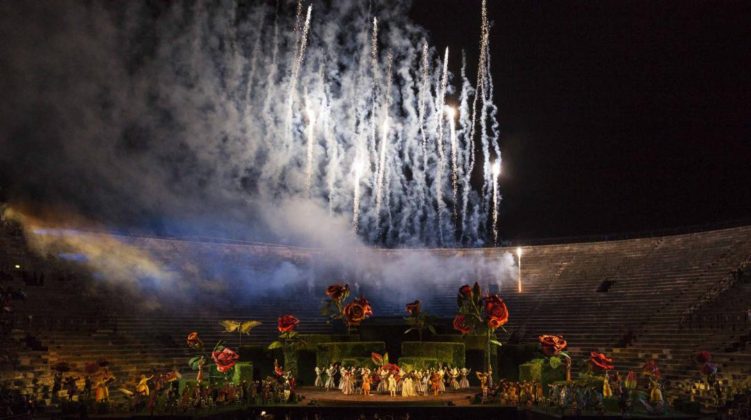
297, 65
382, 169
496, 172
469, 152
421, 101
358, 167
484, 29
268, 115
451, 115
253, 65
310, 139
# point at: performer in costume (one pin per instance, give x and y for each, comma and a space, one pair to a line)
319, 381
407, 390
103, 385
464, 382
342, 371
454, 382
143, 385
442, 385
436, 381
606, 390
391, 385
330, 377
655, 394
366, 382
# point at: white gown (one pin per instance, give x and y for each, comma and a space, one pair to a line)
330, 378
319, 381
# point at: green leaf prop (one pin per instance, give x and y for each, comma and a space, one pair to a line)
554, 362
496, 342
275, 345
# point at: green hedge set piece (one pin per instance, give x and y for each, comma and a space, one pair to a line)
409, 363
443, 352
539, 370
328, 353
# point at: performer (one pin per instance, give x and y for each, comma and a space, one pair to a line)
318, 382
70, 386
366, 382
383, 383
143, 385
442, 385
407, 390
418, 382
454, 375
330, 377
392, 385
342, 371
606, 390
464, 382
348, 386
436, 380
483, 377
655, 394
102, 385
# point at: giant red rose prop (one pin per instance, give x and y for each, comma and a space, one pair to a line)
496, 311
601, 361
465, 291
337, 292
413, 308
225, 359
356, 311
194, 341
460, 324
552, 345
650, 368
287, 323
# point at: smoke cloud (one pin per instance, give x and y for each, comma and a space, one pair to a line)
325, 129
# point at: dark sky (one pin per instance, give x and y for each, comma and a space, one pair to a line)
617, 116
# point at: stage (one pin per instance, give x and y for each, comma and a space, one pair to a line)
320, 397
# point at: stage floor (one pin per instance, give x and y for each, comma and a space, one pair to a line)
335, 397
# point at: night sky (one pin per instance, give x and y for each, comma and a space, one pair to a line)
617, 117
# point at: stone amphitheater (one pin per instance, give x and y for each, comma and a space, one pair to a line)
660, 297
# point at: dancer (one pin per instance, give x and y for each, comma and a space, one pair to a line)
330, 377
407, 390
366, 382
318, 383
348, 386
392, 385
464, 382
436, 380
454, 375
342, 371
442, 384
143, 385
383, 383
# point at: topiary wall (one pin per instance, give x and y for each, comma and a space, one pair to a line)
539, 370
417, 363
445, 353
328, 353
